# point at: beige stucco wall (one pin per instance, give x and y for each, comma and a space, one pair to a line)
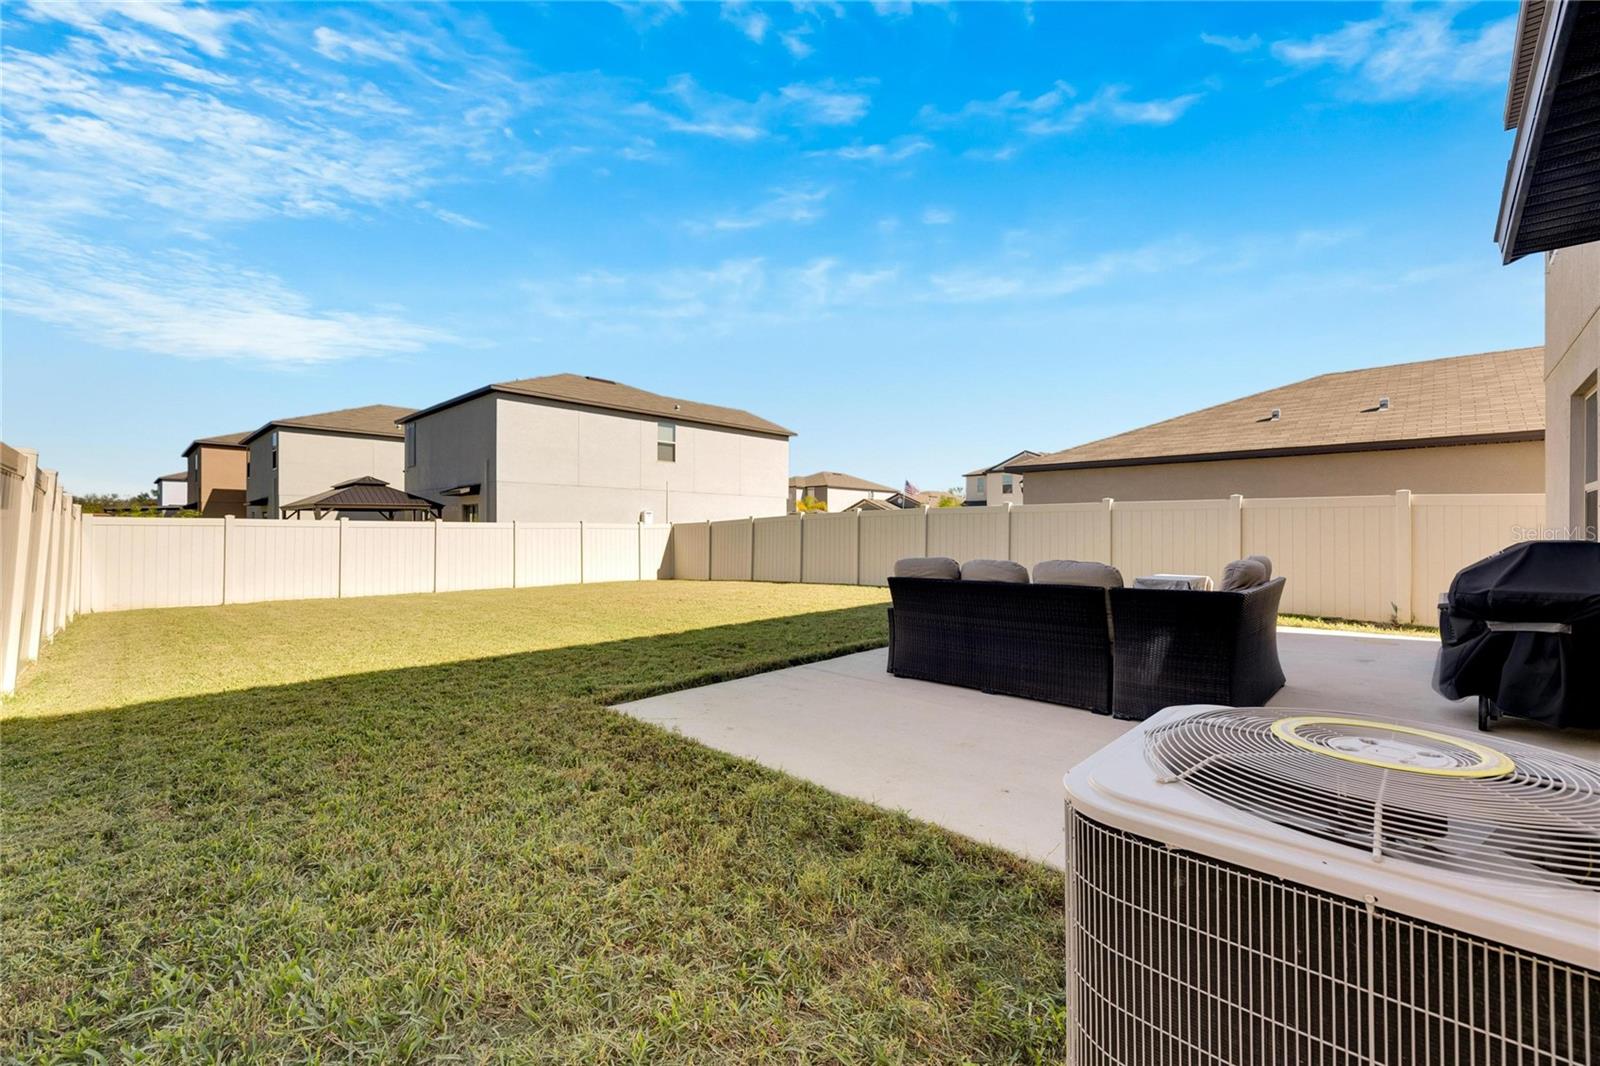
563, 463
309, 463
1465, 468
1572, 361
216, 481
455, 447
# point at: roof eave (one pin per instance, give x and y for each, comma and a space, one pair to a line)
1530, 129
528, 394
1512, 437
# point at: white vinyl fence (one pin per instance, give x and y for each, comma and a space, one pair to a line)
130, 563
1376, 558
39, 560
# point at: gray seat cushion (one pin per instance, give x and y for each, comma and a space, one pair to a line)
994, 570
1243, 574
1072, 572
934, 566
1265, 562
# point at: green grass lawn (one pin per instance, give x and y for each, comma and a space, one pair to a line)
408, 829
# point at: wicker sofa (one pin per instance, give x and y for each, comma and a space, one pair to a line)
1054, 643
1040, 642
1176, 647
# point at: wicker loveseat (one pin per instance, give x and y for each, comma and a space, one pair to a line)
1054, 643
1177, 647
1040, 642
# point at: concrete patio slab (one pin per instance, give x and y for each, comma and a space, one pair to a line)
990, 767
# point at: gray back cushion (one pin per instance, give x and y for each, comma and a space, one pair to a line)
1072, 572
936, 566
1243, 574
994, 570
1265, 562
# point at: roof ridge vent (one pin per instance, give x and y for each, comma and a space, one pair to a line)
1383, 403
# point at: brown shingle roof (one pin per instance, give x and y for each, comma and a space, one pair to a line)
1026, 453
373, 420
225, 440
832, 479
363, 494
1495, 396
615, 396
182, 475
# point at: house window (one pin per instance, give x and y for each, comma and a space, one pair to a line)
1007, 484
980, 486
1591, 465
469, 512
411, 444
666, 442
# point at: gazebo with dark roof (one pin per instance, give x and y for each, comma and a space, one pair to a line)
367, 494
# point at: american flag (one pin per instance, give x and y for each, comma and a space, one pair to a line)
912, 490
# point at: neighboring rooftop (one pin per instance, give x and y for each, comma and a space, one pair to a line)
373, 420
609, 395
1025, 453
225, 440
182, 475
867, 503
1551, 197
364, 494
832, 479
1466, 399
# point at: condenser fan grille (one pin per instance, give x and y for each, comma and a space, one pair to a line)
1434, 797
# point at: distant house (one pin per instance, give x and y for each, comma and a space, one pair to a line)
216, 481
1551, 204
1472, 423
567, 447
172, 491
291, 459
839, 492
873, 504
995, 484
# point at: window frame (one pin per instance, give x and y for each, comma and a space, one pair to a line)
666, 448
1008, 484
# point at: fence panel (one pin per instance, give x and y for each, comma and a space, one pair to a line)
18, 472
889, 536
775, 548
153, 562
731, 550
549, 553
828, 548
475, 555
691, 551
1336, 552
1044, 531
655, 553
268, 559
1174, 537
1450, 531
385, 558
967, 533
610, 551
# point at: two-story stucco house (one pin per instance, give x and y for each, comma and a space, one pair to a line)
216, 475
567, 447
996, 485
835, 491
294, 458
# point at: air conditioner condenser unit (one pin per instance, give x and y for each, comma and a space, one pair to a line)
1253, 887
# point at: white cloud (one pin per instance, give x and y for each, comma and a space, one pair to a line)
751, 22
182, 303
689, 108
1236, 45
937, 216
824, 105
795, 41
896, 151
1057, 110
1407, 52
798, 206
980, 285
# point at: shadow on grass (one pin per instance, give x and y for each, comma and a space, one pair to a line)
479, 858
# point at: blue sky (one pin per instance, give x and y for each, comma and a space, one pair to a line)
922, 236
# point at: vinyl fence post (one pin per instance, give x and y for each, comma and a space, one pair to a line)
1009, 505
581, 575
1107, 505
436, 526
801, 568
752, 547
344, 525
1236, 509
14, 557
228, 548
1400, 600
514, 554
38, 564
